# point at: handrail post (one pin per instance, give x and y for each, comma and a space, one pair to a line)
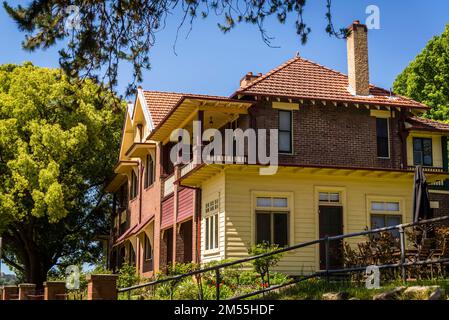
402, 244
217, 284
326, 248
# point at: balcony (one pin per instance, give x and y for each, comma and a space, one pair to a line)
429, 169
169, 185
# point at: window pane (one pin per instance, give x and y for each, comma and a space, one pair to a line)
392, 206
280, 229
263, 202
324, 196
382, 147
263, 231
377, 206
417, 145
280, 202
417, 158
382, 127
427, 148
377, 221
284, 141
207, 233
285, 120
392, 220
216, 231
334, 197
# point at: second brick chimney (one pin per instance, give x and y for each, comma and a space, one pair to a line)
358, 71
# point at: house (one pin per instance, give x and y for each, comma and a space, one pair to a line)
346, 156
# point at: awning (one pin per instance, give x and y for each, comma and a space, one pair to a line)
124, 236
141, 225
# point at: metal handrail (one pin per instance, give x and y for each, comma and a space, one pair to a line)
326, 272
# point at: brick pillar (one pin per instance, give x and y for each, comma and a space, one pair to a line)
54, 290
10, 292
102, 287
26, 289
177, 174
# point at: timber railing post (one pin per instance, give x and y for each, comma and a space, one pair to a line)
402, 244
217, 284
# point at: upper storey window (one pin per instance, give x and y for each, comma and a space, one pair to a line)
422, 152
134, 183
285, 131
383, 149
149, 171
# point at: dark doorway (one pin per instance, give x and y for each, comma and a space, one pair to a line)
168, 236
331, 224
186, 233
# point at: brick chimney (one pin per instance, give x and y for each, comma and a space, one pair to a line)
247, 78
358, 71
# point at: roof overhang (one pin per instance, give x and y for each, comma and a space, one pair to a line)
201, 173
358, 103
115, 183
140, 149
185, 111
124, 167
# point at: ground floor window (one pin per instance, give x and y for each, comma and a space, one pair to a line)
272, 227
385, 214
272, 216
211, 225
148, 251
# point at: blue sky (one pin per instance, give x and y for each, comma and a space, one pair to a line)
211, 62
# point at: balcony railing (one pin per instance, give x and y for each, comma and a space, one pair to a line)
429, 169
169, 185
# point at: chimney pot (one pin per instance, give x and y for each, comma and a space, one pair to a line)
358, 71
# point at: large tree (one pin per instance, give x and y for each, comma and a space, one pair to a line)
426, 79
100, 33
58, 144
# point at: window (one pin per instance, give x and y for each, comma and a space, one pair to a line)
148, 252
134, 183
382, 138
329, 197
272, 220
385, 214
285, 131
422, 152
149, 173
211, 225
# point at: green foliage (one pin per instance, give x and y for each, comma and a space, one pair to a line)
426, 79
263, 265
58, 142
128, 276
108, 32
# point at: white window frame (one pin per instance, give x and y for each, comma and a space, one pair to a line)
291, 131
212, 226
384, 199
289, 210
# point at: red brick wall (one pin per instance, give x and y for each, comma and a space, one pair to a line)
443, 200
333, 136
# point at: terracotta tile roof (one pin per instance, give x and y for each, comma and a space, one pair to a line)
427, 124
161, 103
304, 79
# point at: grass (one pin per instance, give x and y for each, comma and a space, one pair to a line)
314, 289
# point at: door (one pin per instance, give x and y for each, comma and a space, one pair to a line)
331, 224
186, 229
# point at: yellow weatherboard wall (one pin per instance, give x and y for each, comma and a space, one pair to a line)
241, 186
437, 151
